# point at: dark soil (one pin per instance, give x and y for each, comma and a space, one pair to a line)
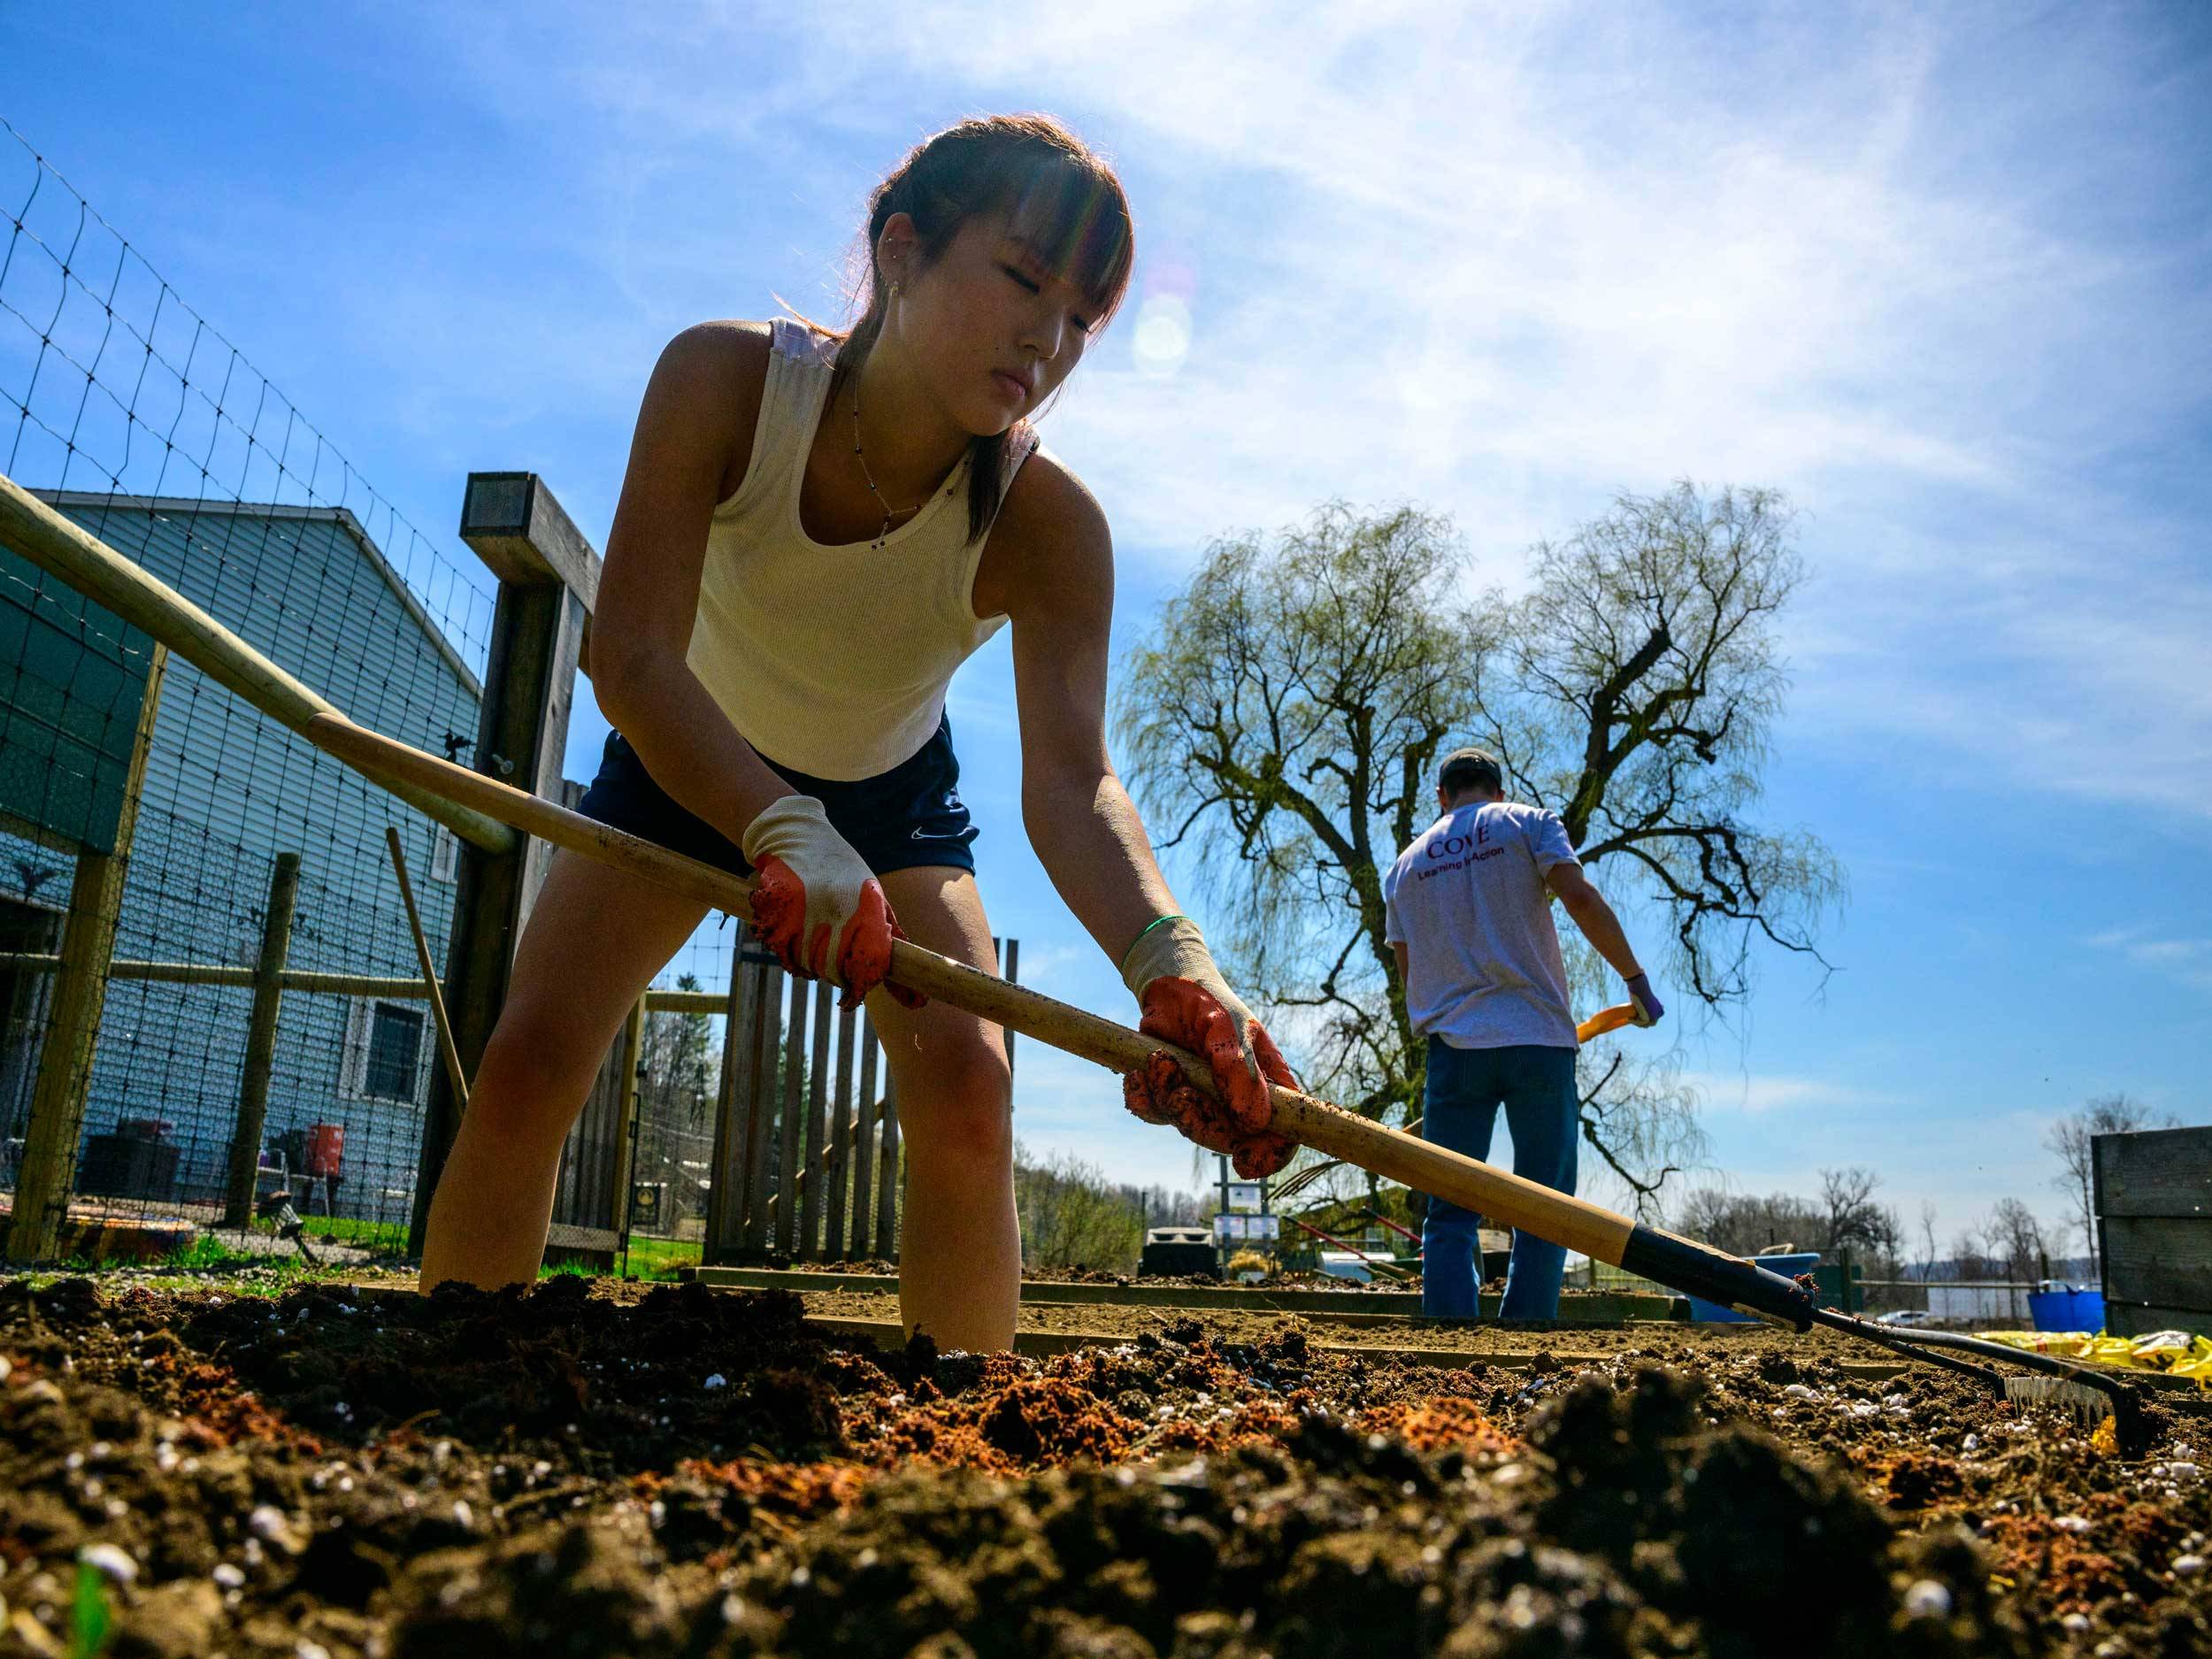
690, 1472
1355, 1323
1305, 1279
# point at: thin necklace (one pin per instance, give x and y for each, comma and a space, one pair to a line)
889, 511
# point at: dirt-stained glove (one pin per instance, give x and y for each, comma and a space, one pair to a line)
1186, 1002
1646, 1001
816, 906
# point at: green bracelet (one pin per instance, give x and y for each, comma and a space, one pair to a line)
1156, 922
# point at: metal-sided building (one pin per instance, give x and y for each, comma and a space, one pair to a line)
226, 790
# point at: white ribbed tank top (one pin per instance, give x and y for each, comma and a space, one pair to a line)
831, 661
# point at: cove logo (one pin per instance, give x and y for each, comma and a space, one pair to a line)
1452, 846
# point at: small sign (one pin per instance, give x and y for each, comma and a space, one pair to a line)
1244, 1196
1229, 1226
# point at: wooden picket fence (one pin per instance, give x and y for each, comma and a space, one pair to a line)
804, 1160
802, 1135
806, 1150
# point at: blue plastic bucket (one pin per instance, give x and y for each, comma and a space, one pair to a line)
2067, 1310
1788, 1266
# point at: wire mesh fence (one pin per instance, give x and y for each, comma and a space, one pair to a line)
340, 1109
144, 808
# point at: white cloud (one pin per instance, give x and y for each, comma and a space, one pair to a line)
1757, 1092
2188, 960
1048, 965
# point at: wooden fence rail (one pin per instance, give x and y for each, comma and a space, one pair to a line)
391, 988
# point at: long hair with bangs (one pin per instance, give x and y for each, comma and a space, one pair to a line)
1058, 193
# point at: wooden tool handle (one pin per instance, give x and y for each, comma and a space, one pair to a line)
1422, 1165
445, 1050
1606, 1019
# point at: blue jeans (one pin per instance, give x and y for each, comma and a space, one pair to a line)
1465, 1088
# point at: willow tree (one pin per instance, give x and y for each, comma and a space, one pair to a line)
1285, 716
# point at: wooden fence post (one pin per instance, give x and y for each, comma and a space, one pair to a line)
864, 1146
760, 1126
268, 999
887, 1183
809, 1197
633, 1047
787, 1164
725, 1163
836, 1245
49, 1170
549, 581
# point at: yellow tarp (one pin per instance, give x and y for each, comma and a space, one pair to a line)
2175, 1353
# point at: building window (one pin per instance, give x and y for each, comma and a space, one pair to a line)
387, 1052
445, 853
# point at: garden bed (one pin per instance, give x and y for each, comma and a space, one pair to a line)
685, 1471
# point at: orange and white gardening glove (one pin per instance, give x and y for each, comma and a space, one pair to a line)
816, 906
1186, 1002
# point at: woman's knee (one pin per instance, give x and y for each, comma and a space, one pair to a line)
960, 1105
533, 1077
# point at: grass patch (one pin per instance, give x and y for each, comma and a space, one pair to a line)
380, 1238
659, 1258
654, 1260
206, 1252
208, 1263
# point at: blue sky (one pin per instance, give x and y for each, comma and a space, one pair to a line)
1945, 280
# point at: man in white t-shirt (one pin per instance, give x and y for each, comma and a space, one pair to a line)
1469, 914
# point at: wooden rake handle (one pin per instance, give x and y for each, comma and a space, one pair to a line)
1560, 1217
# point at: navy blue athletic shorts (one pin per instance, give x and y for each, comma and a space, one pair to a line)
907, 816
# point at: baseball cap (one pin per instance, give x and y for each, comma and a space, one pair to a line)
1467, 768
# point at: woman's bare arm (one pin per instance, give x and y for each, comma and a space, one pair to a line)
1080, 820
699, 409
